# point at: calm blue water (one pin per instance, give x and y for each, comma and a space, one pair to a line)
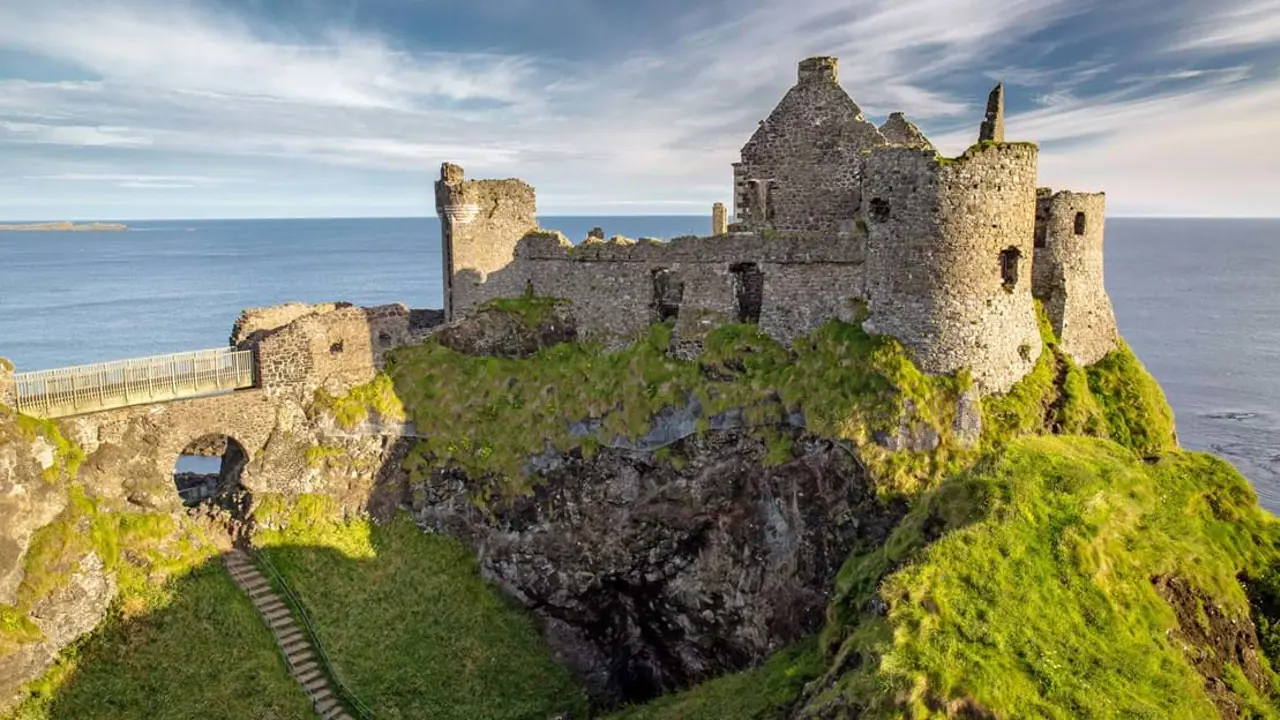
1195, 299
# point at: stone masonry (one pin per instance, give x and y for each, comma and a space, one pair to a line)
1068, 272
948, 258
801, 170
992, 129
719, 219
474, 215
831, 213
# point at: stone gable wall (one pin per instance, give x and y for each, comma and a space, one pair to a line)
1068, 273
809, 153
937, 231
480, 222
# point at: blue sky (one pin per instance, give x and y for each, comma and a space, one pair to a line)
311, 108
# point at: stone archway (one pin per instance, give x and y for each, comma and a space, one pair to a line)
208, 470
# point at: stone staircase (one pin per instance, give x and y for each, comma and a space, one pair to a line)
292, 639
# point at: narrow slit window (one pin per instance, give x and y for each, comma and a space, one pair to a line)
1080, 223
748, 287
1009, 268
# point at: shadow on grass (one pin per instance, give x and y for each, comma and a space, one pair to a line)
192, 648
410, 626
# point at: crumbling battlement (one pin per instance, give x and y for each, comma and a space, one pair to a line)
832, 213
1068, 272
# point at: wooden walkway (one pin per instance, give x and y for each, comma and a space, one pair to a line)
140, 381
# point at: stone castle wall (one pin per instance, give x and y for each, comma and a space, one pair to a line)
949, 255
1068, 273
789, 286
480, 222
333, 346
801, 170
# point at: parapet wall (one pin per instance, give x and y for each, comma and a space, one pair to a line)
618, 288
480, 222
1068, 272
949, 255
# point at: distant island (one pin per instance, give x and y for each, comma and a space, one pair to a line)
63, 227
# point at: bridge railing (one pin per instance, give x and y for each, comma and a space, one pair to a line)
120, 383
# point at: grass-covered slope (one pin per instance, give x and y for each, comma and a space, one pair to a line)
1031, 586
192, 649
411, 627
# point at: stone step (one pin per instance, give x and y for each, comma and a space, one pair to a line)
315, 685
303, 673
300, 657
323, 707
294, 645
290, 635
322, 695
336, 713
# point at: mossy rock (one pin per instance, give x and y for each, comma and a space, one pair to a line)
513, 328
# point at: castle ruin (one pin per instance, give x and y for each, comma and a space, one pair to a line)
832, 215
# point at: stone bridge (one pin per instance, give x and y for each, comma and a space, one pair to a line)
134, 418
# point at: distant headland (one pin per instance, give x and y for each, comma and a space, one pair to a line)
63, 227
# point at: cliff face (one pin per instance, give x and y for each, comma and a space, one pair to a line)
652, 575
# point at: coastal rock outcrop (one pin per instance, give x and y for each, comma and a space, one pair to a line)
650, 575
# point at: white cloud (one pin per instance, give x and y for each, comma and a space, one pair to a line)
1223, 24
182, 96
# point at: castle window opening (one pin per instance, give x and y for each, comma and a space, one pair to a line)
1009, 267
879, 210
668, 293
208, 472
335, 348
1079, 223
748, 287
1042, 235
384, 339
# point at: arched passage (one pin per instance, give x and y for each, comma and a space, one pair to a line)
208, 471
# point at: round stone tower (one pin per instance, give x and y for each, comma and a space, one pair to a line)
949, 252
1068, 273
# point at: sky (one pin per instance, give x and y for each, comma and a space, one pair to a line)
135, 109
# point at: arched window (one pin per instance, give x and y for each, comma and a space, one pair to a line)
1079, 223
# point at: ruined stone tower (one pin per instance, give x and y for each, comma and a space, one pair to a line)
992, 128
801, 170
949, 253
480, 223
1068, 272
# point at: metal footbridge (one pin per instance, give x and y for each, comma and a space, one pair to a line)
139, 381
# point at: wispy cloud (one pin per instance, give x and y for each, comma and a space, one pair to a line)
179, 95
1221, 25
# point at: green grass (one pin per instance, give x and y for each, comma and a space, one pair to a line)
377, 395
763, 692
488, 415
192, 649
412, 628
1035, 599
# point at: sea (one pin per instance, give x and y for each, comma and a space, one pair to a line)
1195, 298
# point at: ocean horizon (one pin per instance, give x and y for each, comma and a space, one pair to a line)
1193, 296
